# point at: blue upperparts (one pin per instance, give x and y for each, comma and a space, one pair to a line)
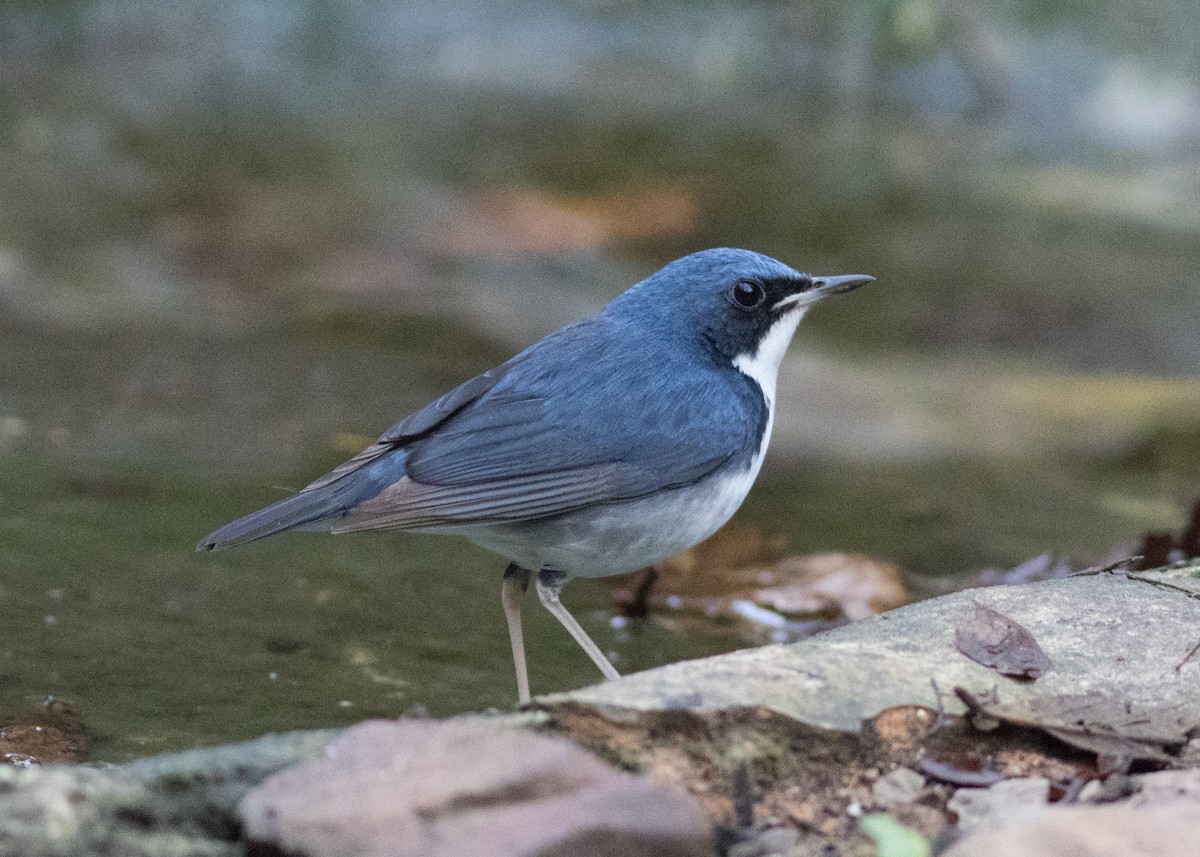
640, 398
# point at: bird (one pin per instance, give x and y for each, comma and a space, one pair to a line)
601, 449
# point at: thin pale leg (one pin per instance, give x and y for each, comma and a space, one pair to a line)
549, 585
512, 592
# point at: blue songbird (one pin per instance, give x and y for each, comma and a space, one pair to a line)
604, 448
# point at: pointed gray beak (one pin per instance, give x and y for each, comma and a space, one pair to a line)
821, 288
839, 285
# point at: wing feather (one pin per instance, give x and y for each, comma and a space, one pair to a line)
589, 421
413, 505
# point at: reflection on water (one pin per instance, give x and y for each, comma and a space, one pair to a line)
240, 239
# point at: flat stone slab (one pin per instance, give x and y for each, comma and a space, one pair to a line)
1113, 635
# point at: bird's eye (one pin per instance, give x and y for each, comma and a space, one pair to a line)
748, 294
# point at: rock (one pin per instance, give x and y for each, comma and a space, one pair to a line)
1114, 830
900, 786
767, 843
814, 722
209, 782
1010, 817
69, 810
1189, 756
998, 805
181, 803
1165, 787
437, 789
1109, 634
1114, 787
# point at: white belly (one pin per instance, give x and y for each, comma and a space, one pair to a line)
619, 537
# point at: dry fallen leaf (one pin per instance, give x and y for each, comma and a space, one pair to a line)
994, 640
738, 573
849, 585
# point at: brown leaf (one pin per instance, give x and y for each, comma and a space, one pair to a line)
849, 585
994, 640
741, 566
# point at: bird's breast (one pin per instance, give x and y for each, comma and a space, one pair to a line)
615, 538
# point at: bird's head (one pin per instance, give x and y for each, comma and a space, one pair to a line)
741, 305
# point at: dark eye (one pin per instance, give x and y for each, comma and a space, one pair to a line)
748, 294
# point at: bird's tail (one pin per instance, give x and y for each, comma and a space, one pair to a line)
312, 508
299, 510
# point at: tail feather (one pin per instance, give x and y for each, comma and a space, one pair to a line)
311, 508
307, 507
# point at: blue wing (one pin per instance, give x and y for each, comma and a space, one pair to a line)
574, 421
578, 419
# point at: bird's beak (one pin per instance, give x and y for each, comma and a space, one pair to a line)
822, 287
838, 285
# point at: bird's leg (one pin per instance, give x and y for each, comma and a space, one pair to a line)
512, 591
549, 585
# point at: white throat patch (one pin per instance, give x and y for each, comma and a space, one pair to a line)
763, 364
763, 367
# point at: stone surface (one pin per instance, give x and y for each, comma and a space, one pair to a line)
997, 805
899, 786
438, 789
1015, 815
1165, 787
1114, 830
72, 811
1104, 634
766, 843
176, 804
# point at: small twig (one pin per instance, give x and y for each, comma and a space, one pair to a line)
977, 714
1132, 575
1162, 584
1187, 657
941, 708
974, 706
1105, 569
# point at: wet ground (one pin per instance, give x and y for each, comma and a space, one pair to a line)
211, 293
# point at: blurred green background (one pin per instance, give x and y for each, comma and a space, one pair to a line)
239, 239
